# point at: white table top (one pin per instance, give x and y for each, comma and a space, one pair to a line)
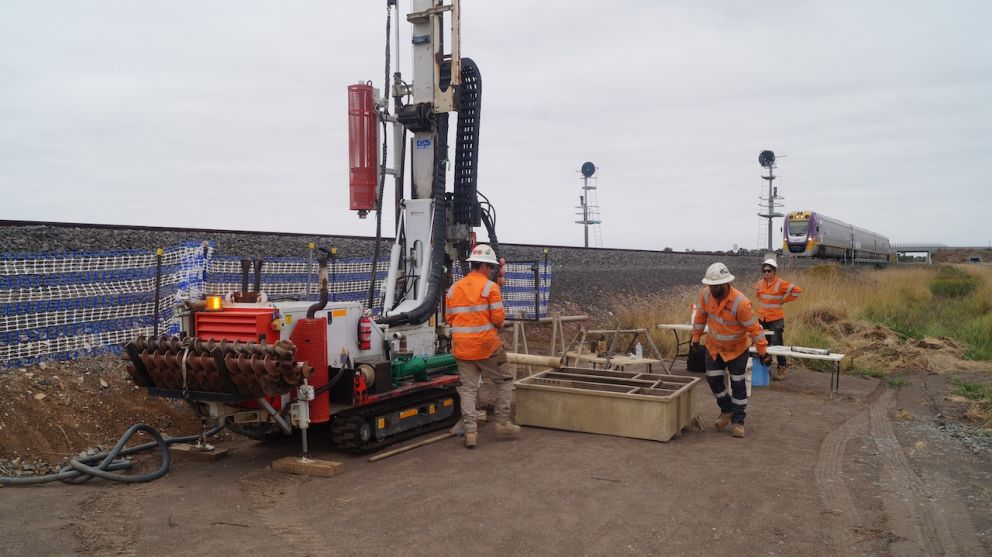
676, 326
788, 351
688, 327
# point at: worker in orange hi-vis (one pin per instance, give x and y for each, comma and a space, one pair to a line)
772, 293
733, 327
474, 311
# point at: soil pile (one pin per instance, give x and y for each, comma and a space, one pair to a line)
58, 409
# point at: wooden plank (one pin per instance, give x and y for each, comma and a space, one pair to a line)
321, 468
187, 450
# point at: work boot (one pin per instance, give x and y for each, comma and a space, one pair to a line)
738, 430
471, 439
722, 421
507, 428
780, 373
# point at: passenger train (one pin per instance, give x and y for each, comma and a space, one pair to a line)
811, 234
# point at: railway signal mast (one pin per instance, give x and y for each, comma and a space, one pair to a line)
769, 203
590, 211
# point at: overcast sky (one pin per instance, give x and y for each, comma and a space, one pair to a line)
233, 114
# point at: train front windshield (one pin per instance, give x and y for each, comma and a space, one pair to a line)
798, 228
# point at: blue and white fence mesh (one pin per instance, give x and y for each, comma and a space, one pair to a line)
58, 306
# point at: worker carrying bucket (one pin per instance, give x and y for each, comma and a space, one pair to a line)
474, 310
733, 326
772, 293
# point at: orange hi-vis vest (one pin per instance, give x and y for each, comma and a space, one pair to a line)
474, 310
732, 323
772, 296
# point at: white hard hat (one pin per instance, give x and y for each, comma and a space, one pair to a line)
771, 263
483, 254
717, 273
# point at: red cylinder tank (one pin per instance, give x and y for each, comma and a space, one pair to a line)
362, 141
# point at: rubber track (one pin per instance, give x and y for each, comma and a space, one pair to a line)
345, 427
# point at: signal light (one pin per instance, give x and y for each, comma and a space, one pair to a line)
214, 303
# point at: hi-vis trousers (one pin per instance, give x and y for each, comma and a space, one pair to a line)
735, 399
472, 371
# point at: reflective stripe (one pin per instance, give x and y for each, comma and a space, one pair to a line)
749, 322
726, 337
714, 373
764, 305
737, 302
479, 329
706, 296
698, 326
789, 291
485, 289
758, 335
770, 297
723, 394
738, 402
723, 321
777, 284
468, 309
497, 305
737, 377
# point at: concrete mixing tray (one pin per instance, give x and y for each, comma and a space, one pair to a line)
638, 405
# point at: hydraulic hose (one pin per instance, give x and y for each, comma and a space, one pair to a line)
102, 465
435, 279
322, 302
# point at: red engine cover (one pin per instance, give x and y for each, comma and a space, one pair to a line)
362, 152
310, 338
244, 324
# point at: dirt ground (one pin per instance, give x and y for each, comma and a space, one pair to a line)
876, 471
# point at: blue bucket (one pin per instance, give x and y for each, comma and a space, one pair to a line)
759, 373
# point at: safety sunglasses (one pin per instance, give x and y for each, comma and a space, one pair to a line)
768, 270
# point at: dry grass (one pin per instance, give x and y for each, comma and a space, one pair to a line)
647, 311
887, 320
927, 318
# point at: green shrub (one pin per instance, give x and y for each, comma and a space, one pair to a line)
972, 391
977, 333
953, 287
898, 382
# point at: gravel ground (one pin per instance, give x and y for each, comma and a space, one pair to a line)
585, 277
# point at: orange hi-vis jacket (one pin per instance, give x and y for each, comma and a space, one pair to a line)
732, 323
772, 296
474, 310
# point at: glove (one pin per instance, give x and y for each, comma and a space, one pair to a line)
501, 276
766, 359
694, 345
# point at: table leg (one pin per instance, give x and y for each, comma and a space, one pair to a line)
678, 346
835, 380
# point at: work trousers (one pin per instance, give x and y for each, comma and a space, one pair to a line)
777, 339
496, 370
734, 400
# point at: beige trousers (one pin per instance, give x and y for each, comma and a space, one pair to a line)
471, 372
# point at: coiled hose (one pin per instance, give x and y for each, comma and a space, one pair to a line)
104, 465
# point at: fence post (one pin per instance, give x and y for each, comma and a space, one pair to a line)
159, 253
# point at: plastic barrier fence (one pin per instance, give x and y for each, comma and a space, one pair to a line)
58, 306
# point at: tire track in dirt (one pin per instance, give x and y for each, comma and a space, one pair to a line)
931, 531
108, 522
275, 499
830, 481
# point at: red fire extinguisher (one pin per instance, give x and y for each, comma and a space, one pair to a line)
365, 332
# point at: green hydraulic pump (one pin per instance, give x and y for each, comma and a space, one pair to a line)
406, 365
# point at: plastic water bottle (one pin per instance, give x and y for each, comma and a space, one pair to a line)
638, 351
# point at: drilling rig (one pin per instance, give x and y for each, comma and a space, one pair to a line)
262, 367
